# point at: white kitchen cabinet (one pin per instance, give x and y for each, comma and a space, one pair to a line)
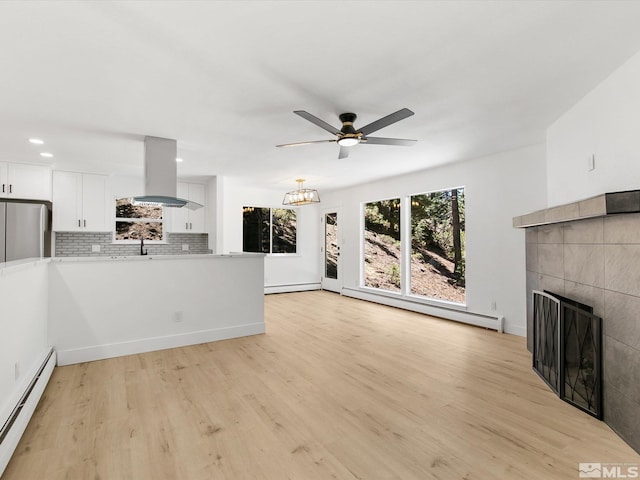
25, 181
81, 203
183, 219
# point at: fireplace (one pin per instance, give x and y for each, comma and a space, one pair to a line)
567, 350
590, 251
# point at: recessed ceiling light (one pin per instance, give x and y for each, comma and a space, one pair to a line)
36, 141
178, 159
46, 154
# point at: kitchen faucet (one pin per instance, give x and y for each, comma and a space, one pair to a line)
142, 252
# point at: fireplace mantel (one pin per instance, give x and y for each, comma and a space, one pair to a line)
598, 206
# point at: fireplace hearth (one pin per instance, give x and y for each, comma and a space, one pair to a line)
567, 350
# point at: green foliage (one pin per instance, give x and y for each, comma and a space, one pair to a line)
394, 274
432, 225
383, 217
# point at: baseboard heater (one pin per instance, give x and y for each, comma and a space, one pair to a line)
462, 316
295, 287
19, 417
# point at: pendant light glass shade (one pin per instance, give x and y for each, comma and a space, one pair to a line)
301, 196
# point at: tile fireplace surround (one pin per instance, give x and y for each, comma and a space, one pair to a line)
590, 251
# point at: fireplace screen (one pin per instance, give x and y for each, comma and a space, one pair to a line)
567, 350
546, 338
581, 364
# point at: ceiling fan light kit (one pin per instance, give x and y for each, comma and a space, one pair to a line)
348, 141
348, 136
301, 196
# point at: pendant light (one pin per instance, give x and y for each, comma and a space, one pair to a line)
301, 196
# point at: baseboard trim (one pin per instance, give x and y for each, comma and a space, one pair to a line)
297, 287
478, 320
17, 422
515, 330
111, 350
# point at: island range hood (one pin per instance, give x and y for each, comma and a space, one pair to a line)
161, 175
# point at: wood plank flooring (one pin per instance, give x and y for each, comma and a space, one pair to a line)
336, 389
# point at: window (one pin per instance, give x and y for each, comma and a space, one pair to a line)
431, 263
437, 245
268, 230
382, 255
283, 221
134, 222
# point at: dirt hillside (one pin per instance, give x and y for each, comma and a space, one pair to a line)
431, 279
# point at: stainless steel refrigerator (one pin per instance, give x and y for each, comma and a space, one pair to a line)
24, 230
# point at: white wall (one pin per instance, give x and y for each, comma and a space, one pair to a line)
279, 270
605, 123
497, 188
126, 185
24, 294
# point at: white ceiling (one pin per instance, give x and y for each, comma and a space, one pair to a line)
93, 78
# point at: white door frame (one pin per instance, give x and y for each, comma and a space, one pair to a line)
331, 284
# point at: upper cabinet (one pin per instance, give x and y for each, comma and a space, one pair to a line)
81, 202
25, 181
185, 220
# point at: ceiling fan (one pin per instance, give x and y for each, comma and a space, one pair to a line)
348, 136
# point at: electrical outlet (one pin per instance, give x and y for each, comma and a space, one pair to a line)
177, 317
494, 306
185, 247
16, 370
591, 163
95, 248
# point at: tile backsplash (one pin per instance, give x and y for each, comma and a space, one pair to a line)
79, 244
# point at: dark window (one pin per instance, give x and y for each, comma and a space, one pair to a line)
267, 230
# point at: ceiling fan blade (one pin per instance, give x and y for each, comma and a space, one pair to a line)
386, 121
344, 152
388, 141
297, 144
315, 120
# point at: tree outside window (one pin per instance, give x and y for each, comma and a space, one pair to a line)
437, 245
268, 230
436, 261
382, 255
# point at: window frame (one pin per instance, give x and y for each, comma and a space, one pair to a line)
116, 219
409, 292
363, 252
271, 253
405, 292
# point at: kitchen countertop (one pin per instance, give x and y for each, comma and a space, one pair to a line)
137, 258
15, 265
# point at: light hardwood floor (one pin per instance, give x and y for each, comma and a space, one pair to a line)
336, 388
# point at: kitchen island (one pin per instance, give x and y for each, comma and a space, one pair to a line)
102, 307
